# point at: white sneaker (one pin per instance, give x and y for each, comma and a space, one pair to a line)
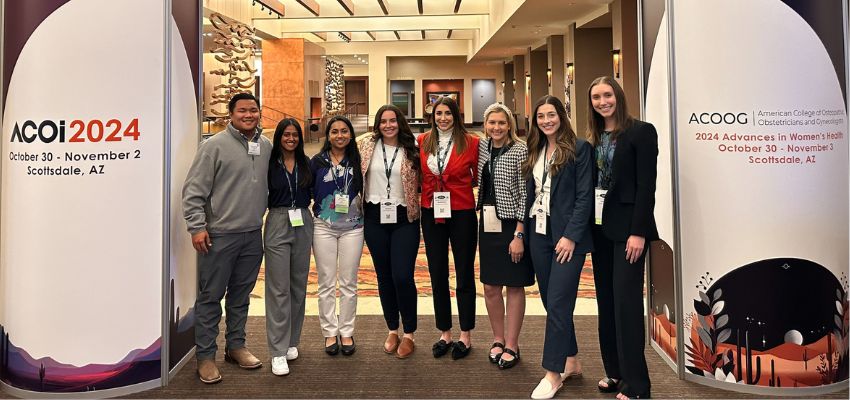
279, 366
291, 353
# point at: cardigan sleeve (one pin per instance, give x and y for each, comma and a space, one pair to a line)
518, 189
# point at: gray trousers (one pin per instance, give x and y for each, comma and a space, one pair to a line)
229, 269
287, 266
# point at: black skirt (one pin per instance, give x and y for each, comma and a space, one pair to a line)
497, 268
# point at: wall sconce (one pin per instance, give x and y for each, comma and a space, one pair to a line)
527, 79
570, 70
616, 57
513, 82
549, 76
503, 85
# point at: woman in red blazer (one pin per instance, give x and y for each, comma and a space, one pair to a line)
449, 161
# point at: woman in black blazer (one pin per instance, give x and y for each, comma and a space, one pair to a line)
559, 172
626, 153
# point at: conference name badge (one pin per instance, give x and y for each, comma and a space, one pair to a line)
492, 224
388, 212
599, 200
540, 222
341, 203
295, 217
253, 148
442, 205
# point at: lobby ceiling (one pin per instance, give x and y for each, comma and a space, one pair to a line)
491, 30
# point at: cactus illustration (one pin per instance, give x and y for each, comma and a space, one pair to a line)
805, 359
750, 379
41, 376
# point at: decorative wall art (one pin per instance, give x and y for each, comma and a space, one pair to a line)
235, 46
334, 87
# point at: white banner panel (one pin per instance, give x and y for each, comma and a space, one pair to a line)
82, 202
763, 171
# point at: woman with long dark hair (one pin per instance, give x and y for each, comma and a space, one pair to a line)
626, 153
338, 232
501, 248
390, 168
449, 162
560, 192
288, 236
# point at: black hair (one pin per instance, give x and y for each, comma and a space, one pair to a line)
231, 105
351, 151
301, 161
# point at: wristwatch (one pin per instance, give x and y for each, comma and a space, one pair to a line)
519, 234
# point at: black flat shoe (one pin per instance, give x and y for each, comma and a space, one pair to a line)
505, 364
494, 358
333, 349
348, 349
441, 348
611, 385
460, 350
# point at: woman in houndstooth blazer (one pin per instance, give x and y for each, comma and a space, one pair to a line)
501, 200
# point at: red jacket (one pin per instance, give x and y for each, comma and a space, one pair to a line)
460, 173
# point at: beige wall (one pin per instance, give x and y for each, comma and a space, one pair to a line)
624, 15
425, 68
592, 59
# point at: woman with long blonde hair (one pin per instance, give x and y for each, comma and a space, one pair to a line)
504, 262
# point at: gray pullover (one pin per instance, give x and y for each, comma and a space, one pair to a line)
226, 190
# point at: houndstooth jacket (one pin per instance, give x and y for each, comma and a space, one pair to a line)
510, 186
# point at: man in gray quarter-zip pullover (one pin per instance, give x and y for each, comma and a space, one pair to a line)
224, 199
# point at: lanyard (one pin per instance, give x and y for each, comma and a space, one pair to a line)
388, 168
546, 163
345, 176
441, 159
495, 159
293, 190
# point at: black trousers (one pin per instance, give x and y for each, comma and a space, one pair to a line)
394, 248
619, 296
461, 230
558, 285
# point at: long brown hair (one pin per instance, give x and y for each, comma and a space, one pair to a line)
405, 136
596, 123
565, 139
429, 144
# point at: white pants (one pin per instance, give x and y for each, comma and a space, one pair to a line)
337, 256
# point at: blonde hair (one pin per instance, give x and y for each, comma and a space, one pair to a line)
501, 108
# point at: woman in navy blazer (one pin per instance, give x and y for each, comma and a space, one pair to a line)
559, 172
626, 152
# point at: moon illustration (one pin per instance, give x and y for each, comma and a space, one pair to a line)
794, 336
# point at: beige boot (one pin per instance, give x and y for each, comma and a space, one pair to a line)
243, 357
208, 372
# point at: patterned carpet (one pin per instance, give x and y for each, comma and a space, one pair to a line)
367, 284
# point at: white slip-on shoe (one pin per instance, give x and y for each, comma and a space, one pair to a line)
545, 390
291, 353
279, 366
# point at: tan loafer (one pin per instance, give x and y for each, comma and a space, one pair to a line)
243, 358
405, 349
208, 372
393, 341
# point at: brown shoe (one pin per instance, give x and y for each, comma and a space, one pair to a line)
208, 372
243, 357
391, 344
405, 349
